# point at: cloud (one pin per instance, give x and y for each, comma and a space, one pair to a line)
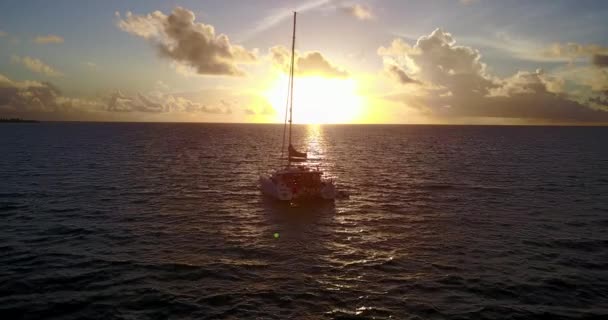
589, 84
308, 63
437, 59
524, 82
587, 79
161, 86
184, 41
90, 64
40, 100
515, 46
398, 47
600, 101
44, 101
3, 34
359, 11
51, 38
399, 74
596, 79
315, 63
456, 83
468, 2
162, 103
261, 108
36, 65
573, 51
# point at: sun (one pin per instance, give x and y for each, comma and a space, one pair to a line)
317, 100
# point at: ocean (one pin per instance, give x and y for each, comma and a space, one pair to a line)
165, 221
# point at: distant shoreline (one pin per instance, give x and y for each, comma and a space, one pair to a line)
17, 120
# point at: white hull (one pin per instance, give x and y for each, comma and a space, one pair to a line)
282, 192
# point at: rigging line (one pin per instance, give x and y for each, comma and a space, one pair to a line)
285, 119
289, 94
293, 47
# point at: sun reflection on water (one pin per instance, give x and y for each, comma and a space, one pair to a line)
314, 141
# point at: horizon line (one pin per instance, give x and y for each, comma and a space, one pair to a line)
333, 124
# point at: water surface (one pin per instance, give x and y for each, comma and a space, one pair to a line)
156, 221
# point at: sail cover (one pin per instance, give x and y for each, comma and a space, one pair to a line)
293, 153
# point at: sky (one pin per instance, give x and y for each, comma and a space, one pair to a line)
372, 61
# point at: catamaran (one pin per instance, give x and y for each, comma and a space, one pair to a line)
296, 181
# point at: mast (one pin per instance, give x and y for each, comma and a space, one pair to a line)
291, 71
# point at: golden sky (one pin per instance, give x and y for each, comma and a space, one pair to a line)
462, 62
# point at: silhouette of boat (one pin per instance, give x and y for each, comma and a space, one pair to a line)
296, 181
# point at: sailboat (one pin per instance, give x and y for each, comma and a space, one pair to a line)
296, 181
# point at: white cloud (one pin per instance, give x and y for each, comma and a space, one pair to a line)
399, 74
51, 38
308, 63
359, 11
438, 60
161, 86
90, 64
455, 76
184, 41
36, 65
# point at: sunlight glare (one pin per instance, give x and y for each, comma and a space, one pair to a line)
317, 100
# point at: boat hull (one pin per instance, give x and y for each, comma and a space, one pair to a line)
277, 191
282, 192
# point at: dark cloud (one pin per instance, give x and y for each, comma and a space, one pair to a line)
40, 96
457, 84
600, 60
538, 106
600, 100
181, 39
309, 63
